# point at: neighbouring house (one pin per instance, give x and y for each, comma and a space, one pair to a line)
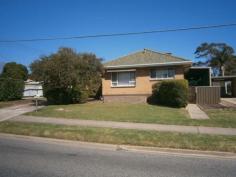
33, 88
130, 78
227, 85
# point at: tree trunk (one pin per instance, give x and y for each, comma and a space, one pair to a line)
222, 70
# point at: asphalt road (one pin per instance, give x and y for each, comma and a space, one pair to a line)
20, 157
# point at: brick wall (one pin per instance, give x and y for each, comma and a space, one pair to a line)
125, 98
143, 83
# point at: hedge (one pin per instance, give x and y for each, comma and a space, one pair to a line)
170, 93
11, 89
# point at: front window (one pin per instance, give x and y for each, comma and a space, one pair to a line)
123, 79
162, 74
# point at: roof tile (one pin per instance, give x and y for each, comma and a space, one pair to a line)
145, 56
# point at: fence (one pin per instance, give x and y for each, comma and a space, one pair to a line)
204, 95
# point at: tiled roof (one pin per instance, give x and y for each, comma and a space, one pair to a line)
145, 57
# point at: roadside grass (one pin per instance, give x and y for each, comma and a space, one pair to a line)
142, 113
123, 136
4, 104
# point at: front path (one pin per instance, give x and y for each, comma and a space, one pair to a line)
195, 112
128, 125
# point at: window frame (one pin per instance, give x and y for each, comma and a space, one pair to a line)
162, 78
132, 83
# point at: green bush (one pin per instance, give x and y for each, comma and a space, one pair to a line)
79, 96
170, 93
83, 96
57, 96
65, 95
11, 89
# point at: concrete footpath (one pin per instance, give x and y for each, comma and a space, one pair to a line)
195, 112
128, 125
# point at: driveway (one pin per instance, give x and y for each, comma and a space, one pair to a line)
10, 112
230, 100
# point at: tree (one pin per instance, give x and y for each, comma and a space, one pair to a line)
15, 71
230, 68
68, 76
12, 81
217, 54
11, 89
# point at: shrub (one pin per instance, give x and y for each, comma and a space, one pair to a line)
79, 95
11, 89
57, 96
99, 93
83, 96
170, 93
65, 96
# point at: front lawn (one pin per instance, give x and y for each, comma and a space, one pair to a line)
137, 113
123, 136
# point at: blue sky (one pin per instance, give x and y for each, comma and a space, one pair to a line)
23, 19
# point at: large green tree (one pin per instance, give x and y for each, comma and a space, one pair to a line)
14, 70
218, 55
68, 75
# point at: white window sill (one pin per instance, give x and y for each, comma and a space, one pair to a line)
160, 79
123, 86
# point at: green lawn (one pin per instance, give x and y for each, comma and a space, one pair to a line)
121, 136
137, 113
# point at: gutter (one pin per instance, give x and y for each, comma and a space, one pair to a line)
149, 64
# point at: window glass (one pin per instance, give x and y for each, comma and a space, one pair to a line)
132, 76
114, 77
162, 74
171, 73
123, 79
114, 81
153, 73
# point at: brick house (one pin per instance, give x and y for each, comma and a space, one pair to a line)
130, 78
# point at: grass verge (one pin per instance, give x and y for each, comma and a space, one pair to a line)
137, 113
123, 136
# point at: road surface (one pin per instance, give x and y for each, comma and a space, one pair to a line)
22, 157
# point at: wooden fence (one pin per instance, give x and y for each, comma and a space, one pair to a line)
204, 95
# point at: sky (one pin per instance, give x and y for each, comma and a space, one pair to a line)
27, 19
